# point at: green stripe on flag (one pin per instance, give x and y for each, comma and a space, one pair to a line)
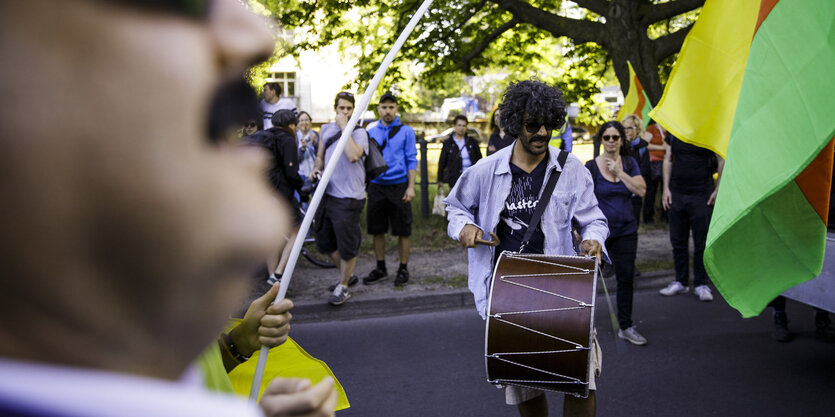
764, 236
762, 254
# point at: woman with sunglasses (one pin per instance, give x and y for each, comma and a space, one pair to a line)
252, 126
617, 177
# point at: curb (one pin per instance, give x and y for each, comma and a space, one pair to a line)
312, 311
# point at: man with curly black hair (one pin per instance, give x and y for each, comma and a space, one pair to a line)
499, 195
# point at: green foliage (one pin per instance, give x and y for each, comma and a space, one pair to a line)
450, 45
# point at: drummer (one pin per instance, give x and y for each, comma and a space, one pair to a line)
499, 195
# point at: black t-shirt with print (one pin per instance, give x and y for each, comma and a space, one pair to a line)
519, 208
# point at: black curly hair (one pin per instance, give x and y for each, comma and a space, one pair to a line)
540, 101
624, 143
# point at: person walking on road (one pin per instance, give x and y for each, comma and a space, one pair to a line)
390, 194
689, 194
500, 193
617, 178
338, 231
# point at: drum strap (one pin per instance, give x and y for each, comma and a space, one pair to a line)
544, 198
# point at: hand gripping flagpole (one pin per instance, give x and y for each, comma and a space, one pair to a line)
326, 175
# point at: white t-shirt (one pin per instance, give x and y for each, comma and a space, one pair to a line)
49, 390
268, 109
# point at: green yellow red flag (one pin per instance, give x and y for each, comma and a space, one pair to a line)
636, 101
768, 229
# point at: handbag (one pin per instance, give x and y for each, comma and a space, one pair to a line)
438, 207
375, 164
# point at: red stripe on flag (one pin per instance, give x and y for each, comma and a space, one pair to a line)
765, 8
639, 89
816, 181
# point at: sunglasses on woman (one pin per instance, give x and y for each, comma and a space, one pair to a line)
611, 137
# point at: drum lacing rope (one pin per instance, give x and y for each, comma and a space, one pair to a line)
538, 370
530, 258
577, 346
580, 304
525, 381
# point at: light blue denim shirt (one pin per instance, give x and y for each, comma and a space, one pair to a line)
480, 194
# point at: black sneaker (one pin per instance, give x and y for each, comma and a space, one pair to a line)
781, 328
402, 277
351, 282
374, 277
340, 295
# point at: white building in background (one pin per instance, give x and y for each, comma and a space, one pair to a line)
313, 81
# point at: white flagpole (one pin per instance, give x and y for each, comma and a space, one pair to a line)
326, 175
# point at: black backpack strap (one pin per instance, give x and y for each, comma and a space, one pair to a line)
544, 199
393, 131
331, 140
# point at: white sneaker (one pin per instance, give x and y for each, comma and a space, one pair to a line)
339, 296
703, 291
674, 288
632, 336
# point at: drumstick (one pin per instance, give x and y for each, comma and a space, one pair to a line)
494, 242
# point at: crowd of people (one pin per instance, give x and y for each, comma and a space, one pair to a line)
155, 230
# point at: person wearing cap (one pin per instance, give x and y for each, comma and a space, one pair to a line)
390, 194
338, 231
280, 142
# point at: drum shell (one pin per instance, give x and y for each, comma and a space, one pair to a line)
573, 278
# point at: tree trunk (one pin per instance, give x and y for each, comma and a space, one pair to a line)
628, 41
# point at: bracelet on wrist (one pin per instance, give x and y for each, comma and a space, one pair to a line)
236, 354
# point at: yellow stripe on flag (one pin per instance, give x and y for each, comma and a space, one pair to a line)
700, 99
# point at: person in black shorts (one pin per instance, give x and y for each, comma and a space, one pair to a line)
390, 194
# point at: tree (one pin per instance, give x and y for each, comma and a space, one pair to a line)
465, 35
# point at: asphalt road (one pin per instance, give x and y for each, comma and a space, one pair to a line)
702, 359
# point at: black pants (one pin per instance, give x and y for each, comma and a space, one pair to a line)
622, 250
689, 212
649, 198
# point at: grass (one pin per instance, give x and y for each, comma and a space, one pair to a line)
427, 233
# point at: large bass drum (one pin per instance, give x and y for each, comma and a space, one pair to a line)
540, 322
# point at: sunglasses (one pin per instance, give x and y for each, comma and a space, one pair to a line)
532, 126
344, 94
611, 137
251, 125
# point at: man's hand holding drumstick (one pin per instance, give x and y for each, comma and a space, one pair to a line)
471, 235
592, 248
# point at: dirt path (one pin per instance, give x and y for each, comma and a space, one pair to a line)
445, 269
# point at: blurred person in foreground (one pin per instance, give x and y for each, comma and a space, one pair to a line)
498, 197
151, 232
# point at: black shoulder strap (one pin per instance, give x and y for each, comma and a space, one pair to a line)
544, 199
331, 140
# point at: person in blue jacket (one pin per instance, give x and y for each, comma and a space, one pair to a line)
390, 194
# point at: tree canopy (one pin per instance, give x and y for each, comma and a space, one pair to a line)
573, 44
